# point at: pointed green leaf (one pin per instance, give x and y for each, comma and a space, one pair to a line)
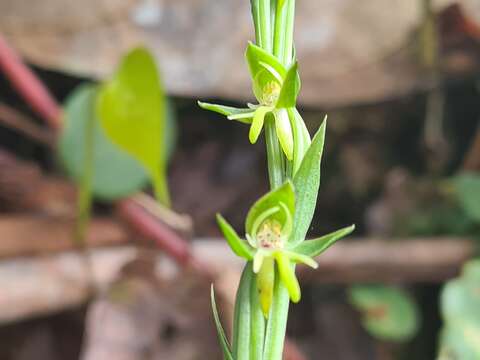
288, 277
284, 132
290, 89
116, 174
228, 111
307, 183
388, 313
242, 316
222, 338
284, 193
317, 246
131, 108
238, 246
257, 123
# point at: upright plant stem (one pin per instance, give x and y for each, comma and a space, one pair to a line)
275, 157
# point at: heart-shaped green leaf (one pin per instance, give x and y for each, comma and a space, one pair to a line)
317, 246
115, 173
388, 313
290, 89
238, 245
307, 183
131, 108
283, 194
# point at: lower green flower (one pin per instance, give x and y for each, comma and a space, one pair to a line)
268, 229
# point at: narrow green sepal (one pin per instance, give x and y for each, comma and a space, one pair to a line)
222, 338
257, 123
238, 245
301, 259
315, 247
287, 275
227, 111
290, 88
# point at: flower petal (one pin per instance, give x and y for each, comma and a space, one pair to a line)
257, 123
265, 282
287, 275
284, 132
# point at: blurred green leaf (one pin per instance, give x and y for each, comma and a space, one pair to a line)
131, 108
460, 307
115, 173
388, 313
467, 188
307, 184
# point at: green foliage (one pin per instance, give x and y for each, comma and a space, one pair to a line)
115, 173
388, 313
131, 107
460, 307
467, 188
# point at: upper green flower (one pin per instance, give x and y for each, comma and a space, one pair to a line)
268, 242
276, 89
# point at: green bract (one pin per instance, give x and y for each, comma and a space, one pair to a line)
131, 108
276, 89
268, 232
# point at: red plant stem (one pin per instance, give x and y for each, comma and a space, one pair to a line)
29, 86
40, 99
147, 225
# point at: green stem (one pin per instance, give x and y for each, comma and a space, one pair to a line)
279, 32
85, 191
265, 40
275, 157
289, 27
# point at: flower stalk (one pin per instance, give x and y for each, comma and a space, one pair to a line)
276, 225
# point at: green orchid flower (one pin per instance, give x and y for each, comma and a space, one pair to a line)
276, 89
268, 243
